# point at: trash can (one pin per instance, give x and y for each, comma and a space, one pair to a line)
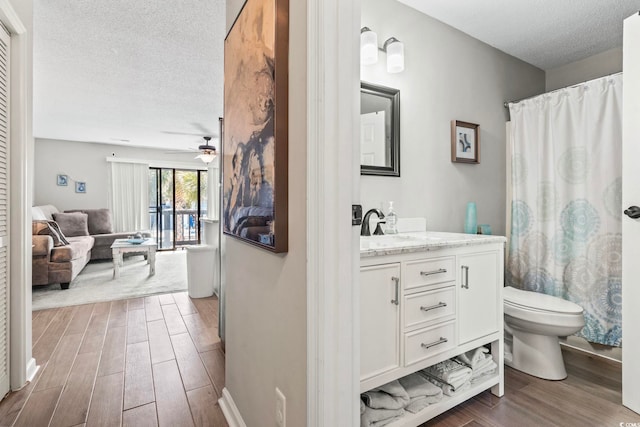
200, 270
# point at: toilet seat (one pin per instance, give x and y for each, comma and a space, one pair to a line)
534, 301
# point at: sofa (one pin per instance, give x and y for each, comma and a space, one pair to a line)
64, 242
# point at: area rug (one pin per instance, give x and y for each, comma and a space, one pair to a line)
95, 283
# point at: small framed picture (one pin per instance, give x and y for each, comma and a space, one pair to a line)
63, 180
81, 187
465, 142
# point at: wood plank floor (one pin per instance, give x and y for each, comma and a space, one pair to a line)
589, 397
153, 361
158, 361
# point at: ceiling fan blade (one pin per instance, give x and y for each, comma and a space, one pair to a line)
202, 128
169, 132
184, 151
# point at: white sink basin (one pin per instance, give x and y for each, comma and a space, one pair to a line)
388, 241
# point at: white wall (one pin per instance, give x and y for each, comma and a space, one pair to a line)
265, 294
448, 76
84, 161
599, 65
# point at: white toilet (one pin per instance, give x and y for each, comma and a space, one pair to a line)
532, 323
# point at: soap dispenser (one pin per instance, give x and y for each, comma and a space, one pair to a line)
392, 221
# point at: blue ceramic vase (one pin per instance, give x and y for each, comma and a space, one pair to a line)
471, 220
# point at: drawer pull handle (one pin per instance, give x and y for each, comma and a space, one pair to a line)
442, 340
396, 281
465, 283
433, 307
429, 273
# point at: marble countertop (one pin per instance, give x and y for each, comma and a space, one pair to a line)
393, 244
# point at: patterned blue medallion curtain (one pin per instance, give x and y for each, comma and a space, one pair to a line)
566, 205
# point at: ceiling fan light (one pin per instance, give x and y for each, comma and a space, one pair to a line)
206, 157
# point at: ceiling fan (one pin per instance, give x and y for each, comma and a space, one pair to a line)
207, 151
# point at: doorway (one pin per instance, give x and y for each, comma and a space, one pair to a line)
177, 201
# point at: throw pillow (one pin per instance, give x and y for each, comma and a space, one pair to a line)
72, 224
99, 220
45, 227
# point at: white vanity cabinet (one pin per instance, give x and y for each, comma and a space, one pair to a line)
380, 313
478, 311
422, 304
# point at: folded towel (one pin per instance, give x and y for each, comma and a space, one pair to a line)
474, 357
449, 372
487, 360
483, 376
448, 390
389, 396
417, 404
490, 366
379, 417
417, 386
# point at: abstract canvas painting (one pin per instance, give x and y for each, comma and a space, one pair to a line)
255, 159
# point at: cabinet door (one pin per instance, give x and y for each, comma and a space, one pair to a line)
379, 319
478, 295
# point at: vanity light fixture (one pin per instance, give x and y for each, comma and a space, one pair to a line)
395, 55
369, 50
368, 46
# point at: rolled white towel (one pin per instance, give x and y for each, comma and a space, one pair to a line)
486, 369
474, 357
389, 396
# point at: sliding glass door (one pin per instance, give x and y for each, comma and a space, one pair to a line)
177, 201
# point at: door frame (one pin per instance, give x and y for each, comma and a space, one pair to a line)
22, 365
630, 227
333, 185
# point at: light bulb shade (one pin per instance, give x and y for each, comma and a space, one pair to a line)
206, 157
368, 47
395, 55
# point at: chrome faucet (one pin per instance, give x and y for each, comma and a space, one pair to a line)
365, 231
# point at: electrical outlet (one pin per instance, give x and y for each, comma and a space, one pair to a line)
281, 409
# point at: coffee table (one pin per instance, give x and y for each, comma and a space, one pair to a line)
121, 246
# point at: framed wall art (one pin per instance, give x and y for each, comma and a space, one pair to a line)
465, 142
63, 180
255, 138
81, 187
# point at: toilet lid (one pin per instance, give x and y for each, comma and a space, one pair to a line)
540, 302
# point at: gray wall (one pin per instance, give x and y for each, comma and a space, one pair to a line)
602, 64
84, 161
448, 76
266, 307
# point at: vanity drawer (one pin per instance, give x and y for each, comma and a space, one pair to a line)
424, 343
425, 307
428, 272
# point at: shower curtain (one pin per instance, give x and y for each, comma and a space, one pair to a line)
566, 205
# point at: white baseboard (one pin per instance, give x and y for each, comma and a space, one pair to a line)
230, 410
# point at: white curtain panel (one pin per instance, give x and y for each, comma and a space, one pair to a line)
566, 205
129, 198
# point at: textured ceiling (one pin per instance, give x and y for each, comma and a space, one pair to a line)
142, 71
150, 72
544, 33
